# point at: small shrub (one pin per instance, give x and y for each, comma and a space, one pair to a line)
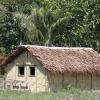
72, 90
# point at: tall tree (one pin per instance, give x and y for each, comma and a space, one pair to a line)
50, 22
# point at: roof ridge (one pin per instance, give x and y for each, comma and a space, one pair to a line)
74, 48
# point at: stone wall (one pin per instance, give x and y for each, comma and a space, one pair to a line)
35, 83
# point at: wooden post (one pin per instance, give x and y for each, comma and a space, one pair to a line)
62, 80
45, 80
48, 79
91, 81
3, 84
76, 81
36, 83
27, 67
27, 56
82, 81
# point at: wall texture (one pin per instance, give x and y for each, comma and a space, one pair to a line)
35, 83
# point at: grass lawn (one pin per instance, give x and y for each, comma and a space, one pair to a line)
68, 94
72, 94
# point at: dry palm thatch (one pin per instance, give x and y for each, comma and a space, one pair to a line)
62, 59
2, 58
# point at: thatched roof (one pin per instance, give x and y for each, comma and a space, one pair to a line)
2, 58
63, 59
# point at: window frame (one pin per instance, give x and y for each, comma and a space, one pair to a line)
30, 71
19, 75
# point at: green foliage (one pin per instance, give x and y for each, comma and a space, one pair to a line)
21, 95
72, 23
1, 77
2, 51
72, 90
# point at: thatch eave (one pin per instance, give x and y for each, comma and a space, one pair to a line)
62, 60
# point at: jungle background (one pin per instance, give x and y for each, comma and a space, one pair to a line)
69, 23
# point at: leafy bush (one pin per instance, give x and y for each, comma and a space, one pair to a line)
72, 90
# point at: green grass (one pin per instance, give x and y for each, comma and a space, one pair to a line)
69, 94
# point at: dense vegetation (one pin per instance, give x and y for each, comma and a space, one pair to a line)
72, 23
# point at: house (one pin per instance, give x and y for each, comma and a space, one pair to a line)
40, 68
